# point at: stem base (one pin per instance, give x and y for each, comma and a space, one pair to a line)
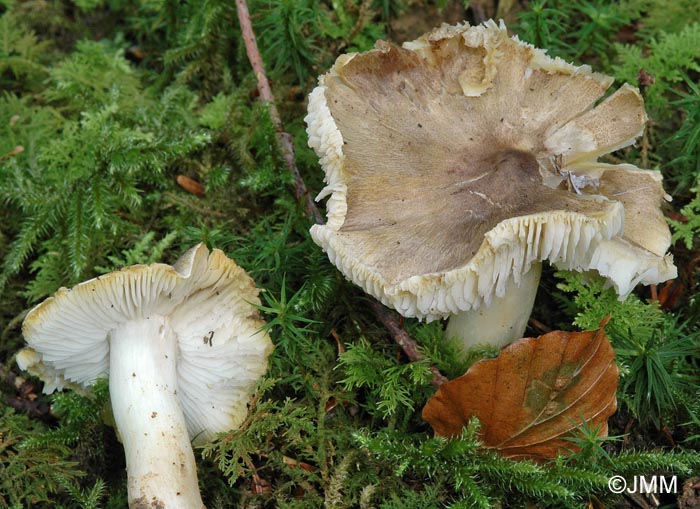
501, 323
143, 385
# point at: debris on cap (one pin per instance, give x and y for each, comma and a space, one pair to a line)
459, 161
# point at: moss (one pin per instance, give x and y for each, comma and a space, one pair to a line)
111, 101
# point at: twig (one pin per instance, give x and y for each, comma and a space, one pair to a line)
391, 322
15, 151
539, 326
406, 342
284, 139
654, 293
668, 436
260, 485
478, 13
362, 16
386, 317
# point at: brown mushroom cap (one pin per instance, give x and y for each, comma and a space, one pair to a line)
457, 161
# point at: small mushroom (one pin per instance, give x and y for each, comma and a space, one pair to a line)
458, 163
182, 348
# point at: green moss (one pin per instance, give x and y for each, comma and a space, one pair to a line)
111, 101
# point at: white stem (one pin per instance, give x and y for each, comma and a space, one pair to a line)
502, 322
160, 462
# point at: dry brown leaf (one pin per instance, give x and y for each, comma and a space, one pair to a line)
533, 395
190, 185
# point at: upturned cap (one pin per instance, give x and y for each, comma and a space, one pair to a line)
456, 161
209, 302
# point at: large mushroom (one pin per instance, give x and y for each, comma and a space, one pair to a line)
182, 347
458, 163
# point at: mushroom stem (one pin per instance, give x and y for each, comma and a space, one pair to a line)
502, 322
143, 387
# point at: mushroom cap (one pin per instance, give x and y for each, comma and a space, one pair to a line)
210, 304
456, 161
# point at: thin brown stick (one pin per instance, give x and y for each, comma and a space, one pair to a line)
392, 323
478, 13
388, 318
15, 151
654, 293
539, 326
284, 139
260, 485
362, 16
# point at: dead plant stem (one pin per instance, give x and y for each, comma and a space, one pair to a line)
388, 318
284, 139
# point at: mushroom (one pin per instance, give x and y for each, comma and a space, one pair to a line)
458, 163
182, 347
